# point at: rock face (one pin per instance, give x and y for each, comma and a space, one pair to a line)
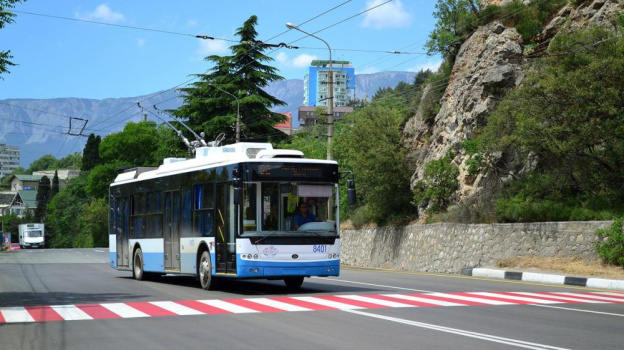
488, 64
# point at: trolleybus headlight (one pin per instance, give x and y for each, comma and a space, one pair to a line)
256, 270
255, 256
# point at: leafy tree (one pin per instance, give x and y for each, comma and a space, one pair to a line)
55, 185
43, 196
568, 116
312, 141
370, 146
100, 178
93, 224
64, 213
134, 145
456, 20
6, 17
91, 153
209, 106
71, 161
169, 144
46, 162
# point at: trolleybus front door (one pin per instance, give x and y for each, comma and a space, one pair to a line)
172, 230
122, 227
224, 236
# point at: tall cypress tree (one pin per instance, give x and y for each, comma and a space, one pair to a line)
244, 75
91, 153
55, 184
43, 197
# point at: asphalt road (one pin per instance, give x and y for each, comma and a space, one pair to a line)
42, 280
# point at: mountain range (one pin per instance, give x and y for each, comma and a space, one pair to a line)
50, 126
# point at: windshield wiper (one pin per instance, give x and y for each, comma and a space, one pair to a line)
265, 237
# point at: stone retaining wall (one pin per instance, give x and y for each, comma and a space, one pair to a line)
447, 248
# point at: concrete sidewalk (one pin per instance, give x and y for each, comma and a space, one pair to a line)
590, 282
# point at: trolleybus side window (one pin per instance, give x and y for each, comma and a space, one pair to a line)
187, 200
250, 222
138, 216
154, 215
204, 209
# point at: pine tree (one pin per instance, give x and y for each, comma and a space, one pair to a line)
208, 108
43, 196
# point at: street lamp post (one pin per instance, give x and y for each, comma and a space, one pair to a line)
330, 106
238, 117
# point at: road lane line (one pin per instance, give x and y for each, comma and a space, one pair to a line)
581, 310
376, 285
456, 331
70, 312
16, 314
233, 308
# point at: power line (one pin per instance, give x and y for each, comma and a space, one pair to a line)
198, 36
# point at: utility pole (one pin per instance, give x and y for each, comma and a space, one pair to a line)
330, 106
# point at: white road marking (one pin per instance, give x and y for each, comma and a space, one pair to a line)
124, 311
595, 296
552, 296
176, 308
277, 304
224, 305
477, 300
424, 300
16, 314
329, 303
70, 312
482, 336
99, 251
377, 285
517, 297
580, 310
366, 299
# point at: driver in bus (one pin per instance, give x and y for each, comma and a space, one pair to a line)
303, 217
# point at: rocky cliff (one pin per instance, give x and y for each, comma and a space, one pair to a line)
491, 61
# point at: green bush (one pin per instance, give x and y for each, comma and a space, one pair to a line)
438, 187
610, 246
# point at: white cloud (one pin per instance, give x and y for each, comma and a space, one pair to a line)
212, 47
282, 58
141, 42
431, 65
101, 13
390, 15
303, 60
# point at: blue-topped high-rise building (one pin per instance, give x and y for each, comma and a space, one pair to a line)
316, 87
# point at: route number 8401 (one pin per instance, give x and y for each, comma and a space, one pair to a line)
319, 249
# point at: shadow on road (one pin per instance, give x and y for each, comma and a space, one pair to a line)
62, 298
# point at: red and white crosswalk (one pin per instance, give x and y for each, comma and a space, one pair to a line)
288, 304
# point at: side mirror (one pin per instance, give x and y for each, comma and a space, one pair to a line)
351, 192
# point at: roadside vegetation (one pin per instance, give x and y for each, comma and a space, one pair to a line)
567, 117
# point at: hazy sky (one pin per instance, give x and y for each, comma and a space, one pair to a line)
59, 54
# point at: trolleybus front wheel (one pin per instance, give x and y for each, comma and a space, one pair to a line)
293, 282
204, 272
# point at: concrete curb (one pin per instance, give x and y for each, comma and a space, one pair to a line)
599, 283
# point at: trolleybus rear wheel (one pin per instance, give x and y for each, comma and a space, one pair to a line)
137, 265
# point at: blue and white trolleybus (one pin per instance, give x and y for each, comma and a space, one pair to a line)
227, 213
